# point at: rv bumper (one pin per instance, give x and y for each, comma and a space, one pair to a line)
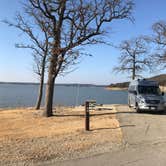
152, 107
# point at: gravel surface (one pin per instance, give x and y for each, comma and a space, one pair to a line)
144, 142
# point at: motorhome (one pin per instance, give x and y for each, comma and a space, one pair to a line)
145, 95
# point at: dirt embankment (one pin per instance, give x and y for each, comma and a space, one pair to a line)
26, 137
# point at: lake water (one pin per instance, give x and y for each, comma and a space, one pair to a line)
24, 95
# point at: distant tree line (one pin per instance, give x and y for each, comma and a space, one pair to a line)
161, 79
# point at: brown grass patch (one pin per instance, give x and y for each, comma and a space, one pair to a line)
25, 136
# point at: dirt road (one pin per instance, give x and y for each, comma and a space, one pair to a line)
144, 142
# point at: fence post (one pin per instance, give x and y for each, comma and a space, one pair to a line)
87, 128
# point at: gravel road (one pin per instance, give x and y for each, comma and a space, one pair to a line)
144, 142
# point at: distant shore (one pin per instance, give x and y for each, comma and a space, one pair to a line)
162, 88
115, 88
56, 84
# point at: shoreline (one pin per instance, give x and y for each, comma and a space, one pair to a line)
116, 88
162, 88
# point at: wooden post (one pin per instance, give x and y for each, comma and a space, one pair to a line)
87, 128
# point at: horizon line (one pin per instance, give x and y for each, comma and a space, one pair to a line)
13, 82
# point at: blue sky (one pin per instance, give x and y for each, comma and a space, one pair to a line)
16, 64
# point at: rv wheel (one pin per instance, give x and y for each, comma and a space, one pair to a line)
137, 109
129, 104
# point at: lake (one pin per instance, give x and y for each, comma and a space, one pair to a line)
24, 95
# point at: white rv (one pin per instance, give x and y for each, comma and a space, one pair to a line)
145, 95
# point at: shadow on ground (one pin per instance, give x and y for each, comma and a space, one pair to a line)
99, 114
108, 128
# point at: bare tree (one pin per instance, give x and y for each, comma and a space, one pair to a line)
134, 57
38, 45
159, 39
73, 24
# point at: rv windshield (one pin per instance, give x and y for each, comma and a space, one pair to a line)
149, 90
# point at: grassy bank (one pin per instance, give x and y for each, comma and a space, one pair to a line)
26, 137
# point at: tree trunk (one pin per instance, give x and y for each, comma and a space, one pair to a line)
49, 91
133, 72
40, 93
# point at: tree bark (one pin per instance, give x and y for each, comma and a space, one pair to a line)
49, 91
133, 72
40, 93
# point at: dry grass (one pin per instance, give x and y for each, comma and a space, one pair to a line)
26, 136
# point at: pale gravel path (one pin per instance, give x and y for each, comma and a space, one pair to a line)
144, 142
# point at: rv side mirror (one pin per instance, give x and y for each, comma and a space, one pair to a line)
135, 92
162, 93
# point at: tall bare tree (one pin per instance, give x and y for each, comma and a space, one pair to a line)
134, 57
159, 39
38, 44
73, 24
